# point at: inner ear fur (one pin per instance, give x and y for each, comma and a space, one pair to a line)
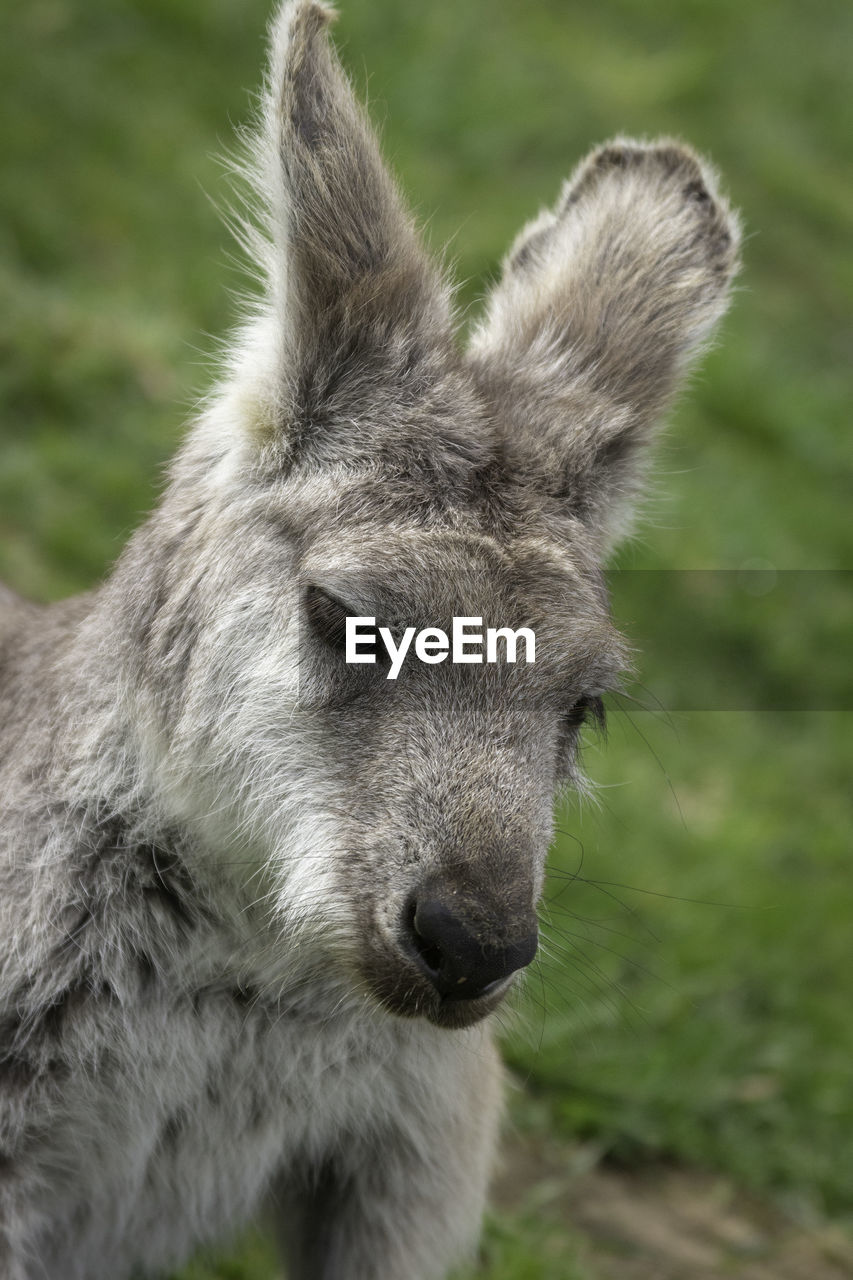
353, 295
603, 303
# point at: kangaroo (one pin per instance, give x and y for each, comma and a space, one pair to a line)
258, 903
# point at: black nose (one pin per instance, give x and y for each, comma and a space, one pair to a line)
462, 960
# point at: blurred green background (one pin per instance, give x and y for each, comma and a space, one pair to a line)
695, 1001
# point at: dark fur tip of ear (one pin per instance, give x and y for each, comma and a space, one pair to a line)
300, 24
660, 180
306, 17
669, 157
300, 65
318, 17
293, 32
667, 165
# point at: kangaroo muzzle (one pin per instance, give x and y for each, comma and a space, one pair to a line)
466, 957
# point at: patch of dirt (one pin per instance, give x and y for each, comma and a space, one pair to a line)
662, 1222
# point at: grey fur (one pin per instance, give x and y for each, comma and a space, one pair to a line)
209, 828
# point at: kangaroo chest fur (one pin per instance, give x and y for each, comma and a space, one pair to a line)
174, 1138
165, 1130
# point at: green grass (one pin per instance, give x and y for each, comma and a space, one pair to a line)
714, 1024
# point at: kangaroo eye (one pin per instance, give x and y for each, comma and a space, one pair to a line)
327, 617
587, 710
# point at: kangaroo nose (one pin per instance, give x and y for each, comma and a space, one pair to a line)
460, 965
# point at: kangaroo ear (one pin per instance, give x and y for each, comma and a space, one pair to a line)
602, 304
349, 283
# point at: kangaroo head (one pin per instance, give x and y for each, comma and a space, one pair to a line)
359, 461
